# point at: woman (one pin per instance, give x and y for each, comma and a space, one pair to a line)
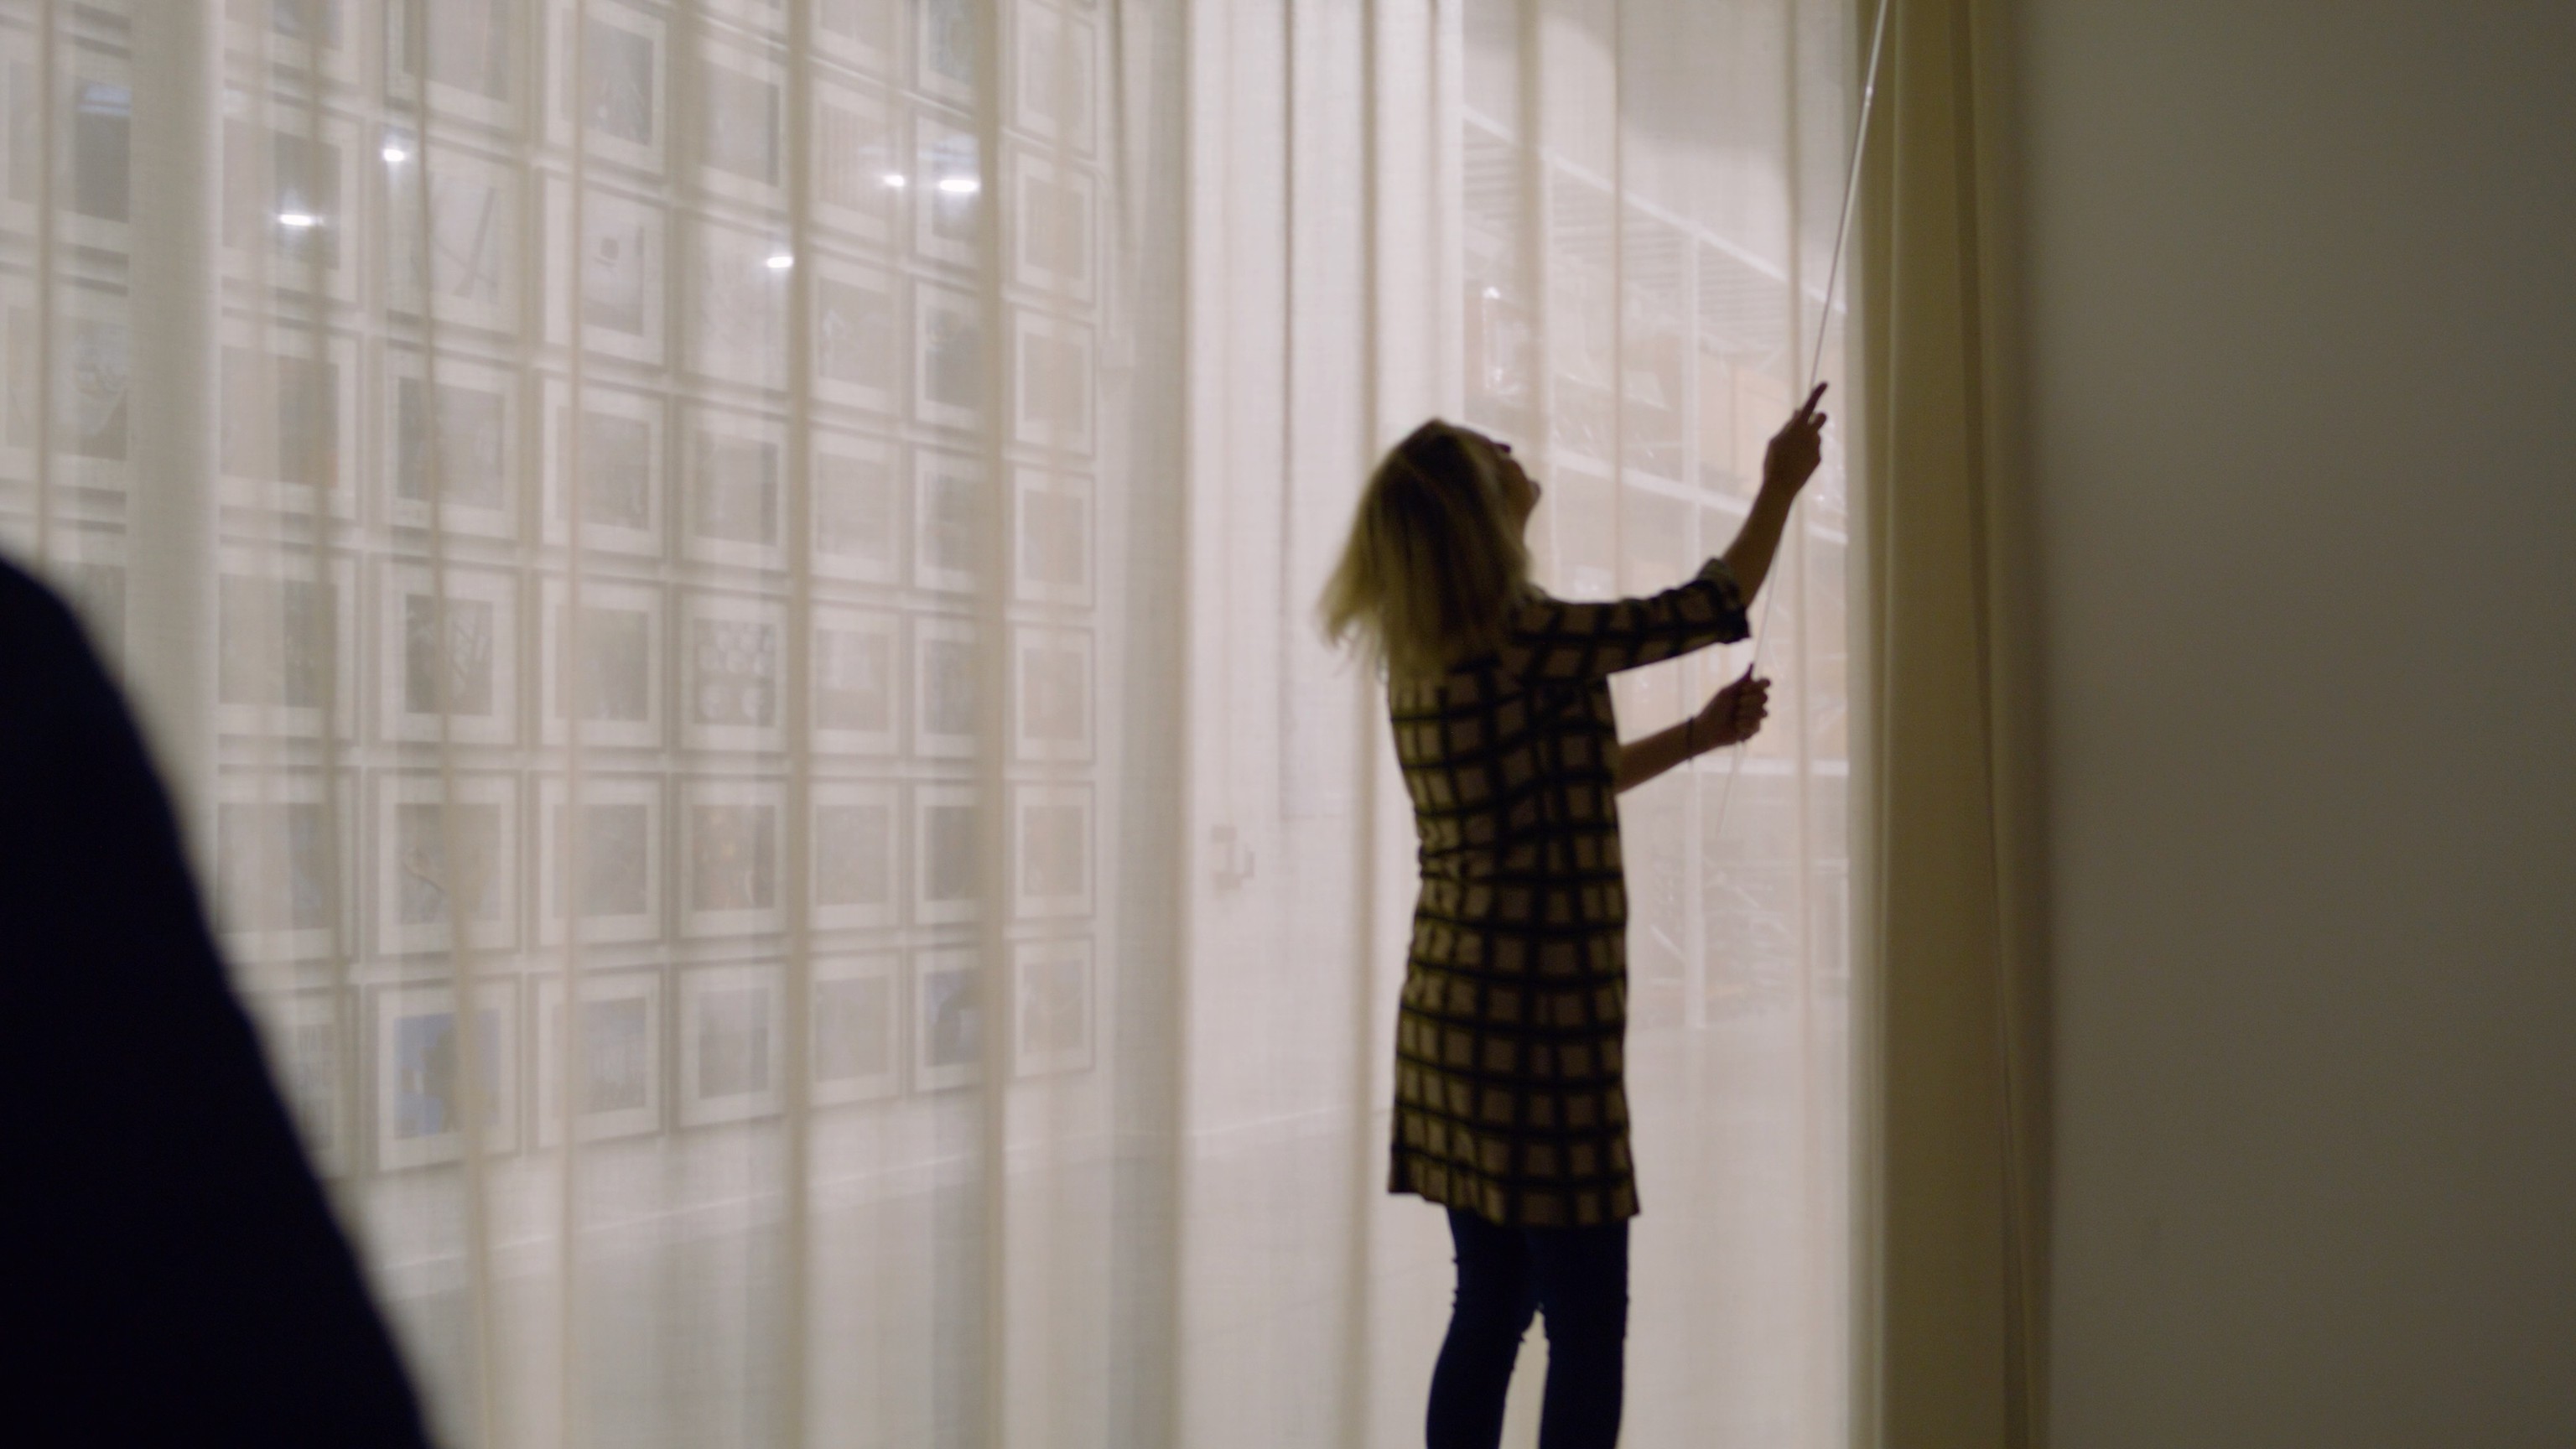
1510, 1109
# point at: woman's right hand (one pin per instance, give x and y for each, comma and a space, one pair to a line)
1797, 448
1733, 714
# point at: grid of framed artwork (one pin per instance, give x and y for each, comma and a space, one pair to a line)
504, 644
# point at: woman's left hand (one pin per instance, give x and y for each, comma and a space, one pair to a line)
1734, 714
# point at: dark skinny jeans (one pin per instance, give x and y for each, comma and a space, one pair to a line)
1577, 1277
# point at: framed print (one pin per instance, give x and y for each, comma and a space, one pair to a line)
858, 33
1053, 77
622, 257
733, 653
947, 1019
465, 50
949, 511
1051, 987
733, 489
443, 857
451, 455
607, 1047
285, 642
298, 37
736, 302
947, 190
291, 197
1051, 854
1050, 693
464, 260
606, 674
286, 855
857, 517
623, 56
858, 1045
947, 357
854, 855
93, 352
944, 48
447, 654
732, 848
860, 172
856, 664
1051, 382
733, 1023
92, 580
615, 886
1051, 219
308, 1053
621, 484
1051, 537
287, 432
946, 854
858, 336
738, 140
944, 686
421, 1072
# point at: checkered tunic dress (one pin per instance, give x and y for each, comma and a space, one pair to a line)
1509, 1100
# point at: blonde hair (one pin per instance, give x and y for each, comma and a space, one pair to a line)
1435, 559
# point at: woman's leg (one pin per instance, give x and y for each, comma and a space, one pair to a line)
1582, 1280
1491, 1312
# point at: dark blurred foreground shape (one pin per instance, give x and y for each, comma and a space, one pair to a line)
170, 1273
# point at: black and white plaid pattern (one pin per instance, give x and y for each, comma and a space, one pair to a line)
1508, 1086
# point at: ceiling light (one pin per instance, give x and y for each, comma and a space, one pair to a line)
959, 185
298, 219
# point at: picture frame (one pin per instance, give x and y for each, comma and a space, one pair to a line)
93, 341
855, 856
93, 201
294, 194
950, 514
733, 1035
737, 137
733, 856
946, 686
1054, 1006
733, 672
857, 334
857, 669
287, 439
947, 1019
475, 408
286, 863
859, 484
1053, 859
625, 483
466, 267
623, 257
944, 48
733, 488
1052, 694
625, 62
420, 816
1052, 533
470, 673
286, 642
620, 1065
1054, 79
474, 69
858, 33
947, 190
88, 568
856, 1011
948, 376
737, 305
621, 870
298, 37
947, 873
1053, 395
1053, 223
419, 1076
616, 680
861, 171
306, 1038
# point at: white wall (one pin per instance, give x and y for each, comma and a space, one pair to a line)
2303, 352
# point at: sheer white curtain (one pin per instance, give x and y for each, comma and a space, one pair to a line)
725, 586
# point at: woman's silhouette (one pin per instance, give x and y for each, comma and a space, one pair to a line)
1510, 1104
